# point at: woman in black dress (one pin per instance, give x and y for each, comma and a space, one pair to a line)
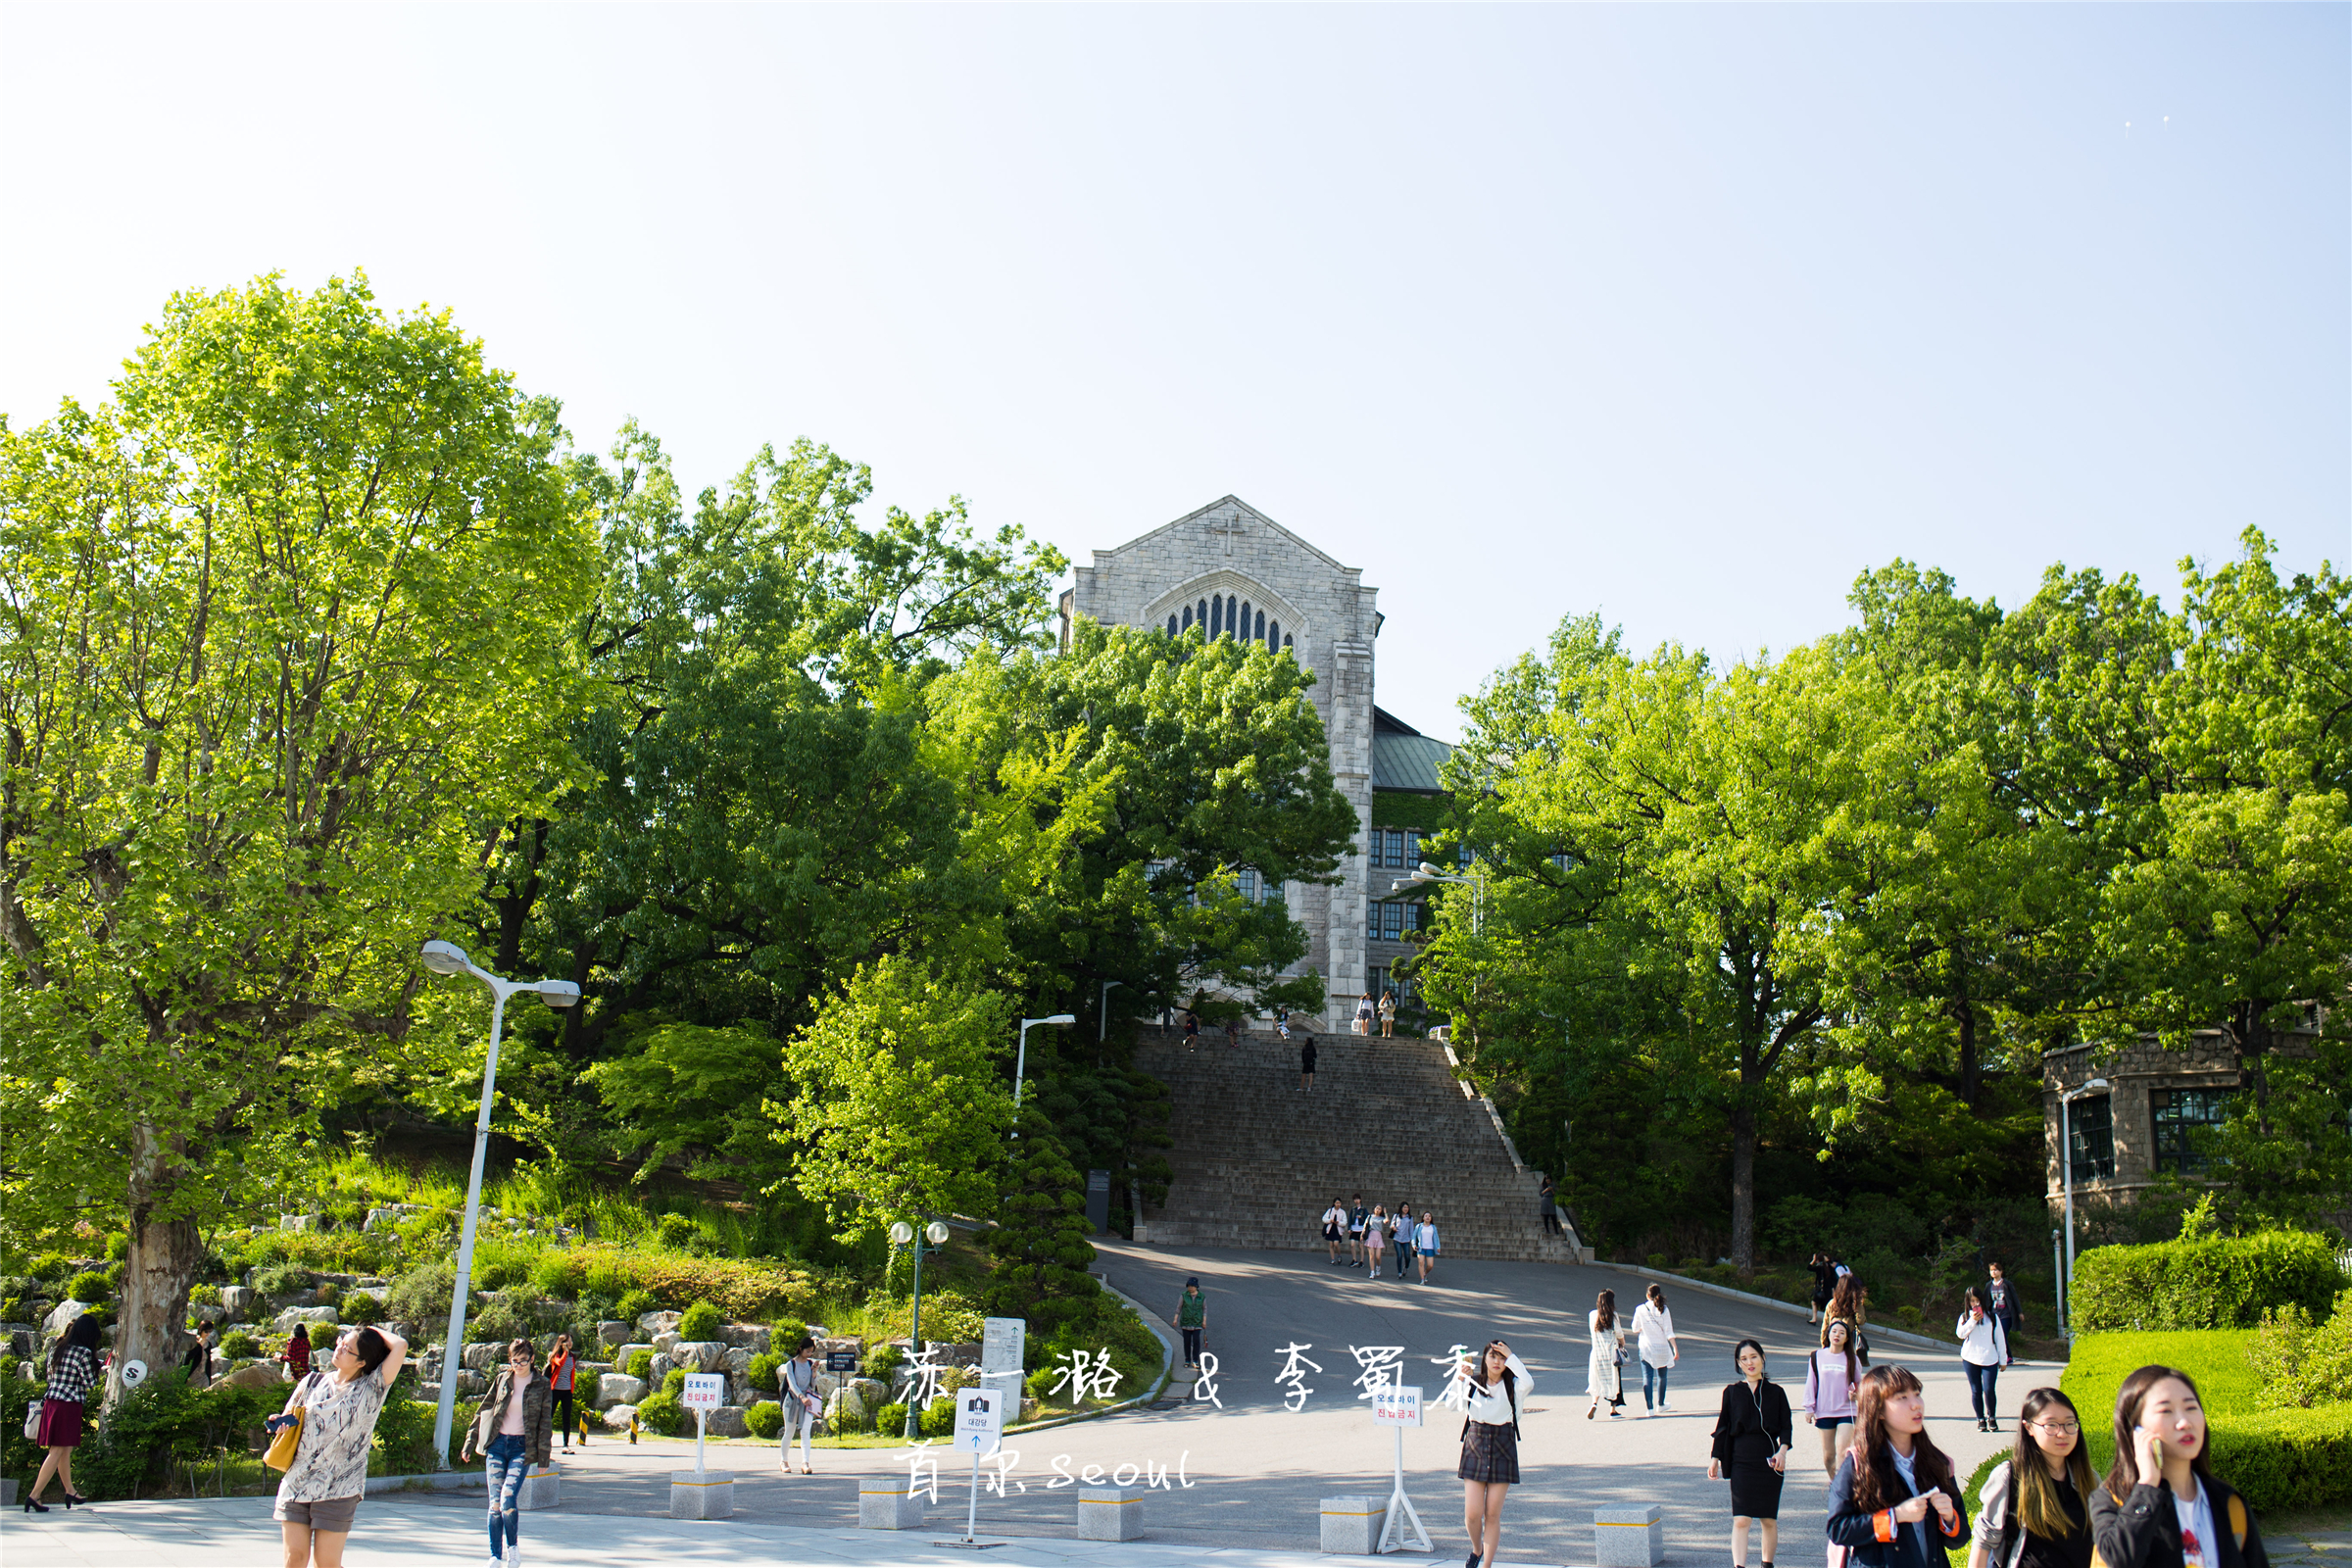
1752, 1437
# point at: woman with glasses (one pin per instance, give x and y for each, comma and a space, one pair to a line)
512, 1435
2035, 1508
320, 1496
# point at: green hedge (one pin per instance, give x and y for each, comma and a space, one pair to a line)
2206, 1282
2281, 1459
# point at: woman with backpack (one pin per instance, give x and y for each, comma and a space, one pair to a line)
1850, 1303
1894, 1503
1753, 1437
1335, 1227
2034, 1510
2161, 1505
1400, 1238
72, 1369
1984, 1350
1832, 1378
1604, 1374
1489, 1467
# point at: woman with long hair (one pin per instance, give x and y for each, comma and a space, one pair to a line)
510, 1432
1605, 1376
1984, 1350
1376, 1238
1850, 1303
563, 1370
1830, 1380
1894, 1503
1655, 1344
2034, 1510
297, 1355
72, 1369
319, 1497
1753, 1437
2160, 1444
1489, 1467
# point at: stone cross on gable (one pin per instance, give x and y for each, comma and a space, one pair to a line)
1232, 529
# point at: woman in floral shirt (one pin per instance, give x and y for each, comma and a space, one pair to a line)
321, 1493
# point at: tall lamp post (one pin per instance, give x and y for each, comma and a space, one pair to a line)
1478, 891
902, 1234
1103, 1012
446, 958
2065, 1158
1020, 1066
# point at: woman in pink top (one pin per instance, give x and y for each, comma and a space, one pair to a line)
1830, 1378
510, 1432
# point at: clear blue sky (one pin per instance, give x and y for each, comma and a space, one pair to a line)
1680, 313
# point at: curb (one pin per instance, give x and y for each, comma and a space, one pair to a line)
1167, 1369
438, 1481
1709, 1287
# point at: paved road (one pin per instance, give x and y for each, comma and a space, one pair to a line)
1257, 1472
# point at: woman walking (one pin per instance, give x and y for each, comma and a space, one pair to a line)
1376, 1237
1425, 1243
562, 1368
72, 1369
1753, 1434
1655, 1342
1547, 1208
1363, 1014
1357, 1216
1192, 1319
1400, 1237
2035, 1508
1825, 1283
511, 1435
1894, 1503
1489, 1467
1850, 1303
2160, 1457
1831, 1379
1387, 1015
1335, 1227
1984, 1349
297, 1355
796, 1383
319, 1497
1605, 1376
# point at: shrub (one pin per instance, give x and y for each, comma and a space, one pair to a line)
701, 1321
784, 1335
605, 1274
1040, 1383
937, 1419
583, 1389
761, 1374
2288, 1459
330, 1293
48, 1266
634, 1304
764, 1420
641, 1364
557, 1273
882, 1360
662, 1412
204, 1295
118, 1246
284, 1279
891, 1419
237, 1345
421, 1294
674, 1382
361, 1307
88, 1289
676, 1231
404, 1434
2297, 1365
2204, 1282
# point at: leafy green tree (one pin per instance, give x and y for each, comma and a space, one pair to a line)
280, 630
1039, 1251
898, 1112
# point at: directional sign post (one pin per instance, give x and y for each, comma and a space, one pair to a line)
705, 1393
1004, 1344
979, 1428
1397, 1409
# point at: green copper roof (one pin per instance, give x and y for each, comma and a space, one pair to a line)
1403, 758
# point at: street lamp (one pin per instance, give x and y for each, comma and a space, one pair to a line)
446, 958
1478, 891
2065, 1158
1020, 1066
1102, 1011
901, 1234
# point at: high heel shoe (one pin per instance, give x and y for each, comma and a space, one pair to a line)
73, 1498
32, 1506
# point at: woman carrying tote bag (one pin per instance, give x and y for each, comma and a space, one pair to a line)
333, 1413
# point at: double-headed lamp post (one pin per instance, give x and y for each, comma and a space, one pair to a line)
2065, 1158
1478, 891
902, 1234
1020, 1066
446, 958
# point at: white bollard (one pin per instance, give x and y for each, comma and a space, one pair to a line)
1351, 1526
1111, 1513
541, 1488
885, 1502
1629, 1538
701, 1495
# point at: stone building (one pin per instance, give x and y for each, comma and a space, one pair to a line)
1236, 571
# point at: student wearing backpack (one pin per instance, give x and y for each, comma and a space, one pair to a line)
1357, 1214
2161, 1506
1894, 1503
1425, 1243
1984, 1350
1830, 1378
2035, 1508
1400, 1237
1490, 1465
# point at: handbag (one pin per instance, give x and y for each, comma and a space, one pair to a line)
32, 1421
280, 1454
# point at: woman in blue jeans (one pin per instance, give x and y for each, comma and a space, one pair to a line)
1983, 1347
1660, 1349
511, 1433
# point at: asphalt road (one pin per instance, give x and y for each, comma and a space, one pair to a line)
1258, 1471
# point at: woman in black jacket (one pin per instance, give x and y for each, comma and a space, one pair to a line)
1893, 1502
1754, 1433
2161, 1506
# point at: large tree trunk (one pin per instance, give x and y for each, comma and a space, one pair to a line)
157, 1272
1743, 1183
1970, 1074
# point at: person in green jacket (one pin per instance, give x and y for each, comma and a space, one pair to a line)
1192, 1317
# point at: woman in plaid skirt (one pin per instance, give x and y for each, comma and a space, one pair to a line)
1489, 1467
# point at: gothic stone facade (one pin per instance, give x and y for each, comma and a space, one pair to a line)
1229, 553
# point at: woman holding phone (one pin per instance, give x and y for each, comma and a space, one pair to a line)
1753, 1434
1894, 1503
2161, 1506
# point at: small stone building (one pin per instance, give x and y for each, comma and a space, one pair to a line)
2144, 1124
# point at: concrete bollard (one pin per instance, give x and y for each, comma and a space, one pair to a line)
1629, 1538
541, 1488
701, 1495
885, 1502
1351, 1526
1111, 1513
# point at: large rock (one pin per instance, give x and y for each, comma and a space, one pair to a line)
752, 1336
23, 1340
315, 1316
726, 1422
700, 1355
62, 1313
482, 1357
384, 1217
621, 1353
650, 1324
666, 1340
471, 1383
238, 1301
826, 1383
619, 1416
661, 1369
611, 1333
206, 1311
737, 1361
301, 1222
872, 1391
257, 1375
845, 1410
618, 1388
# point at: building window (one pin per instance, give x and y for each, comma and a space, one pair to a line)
1202, 616
1392, 922
1412, 848
1259, 635
1461, 855
1242, 635
1171, 625
1274, 638
2091, 1124
1188, 618
2179, 1114
1286, 641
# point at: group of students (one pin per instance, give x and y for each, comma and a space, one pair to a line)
1367, 1235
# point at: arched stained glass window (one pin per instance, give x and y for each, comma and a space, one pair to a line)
1217, 615
1243, 634
1171, 625
1202, 615
1286, 641
1259, 634
1274, 637
1188, 618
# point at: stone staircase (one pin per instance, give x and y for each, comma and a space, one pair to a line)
1257, 1161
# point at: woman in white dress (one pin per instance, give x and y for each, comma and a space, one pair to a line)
1653, 1338
1604, 1379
